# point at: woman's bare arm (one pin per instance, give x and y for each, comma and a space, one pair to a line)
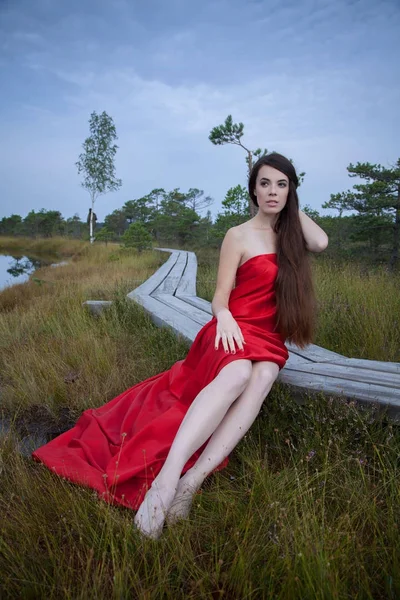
229, 260
316, 238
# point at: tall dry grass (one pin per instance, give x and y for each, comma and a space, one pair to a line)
52, 246
307, 508
46, 336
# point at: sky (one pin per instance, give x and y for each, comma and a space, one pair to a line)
317, 80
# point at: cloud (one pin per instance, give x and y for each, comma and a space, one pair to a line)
293, 75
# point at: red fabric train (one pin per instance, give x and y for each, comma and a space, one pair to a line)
119, 448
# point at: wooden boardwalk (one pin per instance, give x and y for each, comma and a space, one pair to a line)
170, 297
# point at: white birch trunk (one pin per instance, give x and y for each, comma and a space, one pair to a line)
91, 223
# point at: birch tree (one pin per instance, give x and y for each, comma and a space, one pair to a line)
96, 162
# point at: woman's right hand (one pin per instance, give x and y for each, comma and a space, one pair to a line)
229, 332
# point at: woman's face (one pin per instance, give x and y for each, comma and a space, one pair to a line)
272, 189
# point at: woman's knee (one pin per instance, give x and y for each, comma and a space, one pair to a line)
265, 372
238, 373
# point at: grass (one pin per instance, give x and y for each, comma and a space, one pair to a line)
52, 246
307, 508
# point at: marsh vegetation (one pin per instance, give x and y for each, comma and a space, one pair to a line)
308, 506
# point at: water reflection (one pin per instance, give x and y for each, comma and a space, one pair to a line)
18, 268
23, 265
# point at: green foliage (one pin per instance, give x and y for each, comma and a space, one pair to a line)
228, 133
174, 220
96, 162
236, 201
137, 236
311, 212
104, 235
139, 210
377, 204
145, 210
235, 211
369, 235
116, 221
74, 227
223, 222
194, 200
231, 133
44, 223
10, 225
168, 216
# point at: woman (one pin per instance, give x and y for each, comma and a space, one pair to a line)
188, 419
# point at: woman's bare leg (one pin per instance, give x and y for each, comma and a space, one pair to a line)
201, 419
229, 432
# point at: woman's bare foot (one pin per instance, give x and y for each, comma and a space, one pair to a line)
151, 514
181, 504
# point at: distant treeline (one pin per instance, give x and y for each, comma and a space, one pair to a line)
175, 218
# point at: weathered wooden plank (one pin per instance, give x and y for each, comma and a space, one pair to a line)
295, 360
329, 370
96, 307
171, 250
157, 278
163, 316
171, 282
200, 303
183, 308
187, 284
313, 352
363, 363
341, 387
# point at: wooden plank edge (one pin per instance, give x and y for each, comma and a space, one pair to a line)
343, 387
170, 283
354, 374
163, 316
154, 280
370, 365
183, 308
187, 284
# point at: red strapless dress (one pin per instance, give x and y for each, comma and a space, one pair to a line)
119, 448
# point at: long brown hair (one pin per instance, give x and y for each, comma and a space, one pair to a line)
295, 295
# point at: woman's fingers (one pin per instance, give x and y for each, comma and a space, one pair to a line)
225, 341
221, 336
228, 340
231, 343
239, 341
217, 340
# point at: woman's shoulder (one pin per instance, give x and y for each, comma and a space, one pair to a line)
238, 232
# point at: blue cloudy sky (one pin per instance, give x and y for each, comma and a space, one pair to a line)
317, 80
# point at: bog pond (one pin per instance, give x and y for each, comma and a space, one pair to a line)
18, 268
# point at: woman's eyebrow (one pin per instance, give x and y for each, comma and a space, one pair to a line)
279, 180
